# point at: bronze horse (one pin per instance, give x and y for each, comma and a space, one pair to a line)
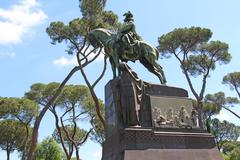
142, 51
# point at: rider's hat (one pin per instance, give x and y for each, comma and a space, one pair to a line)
128, 16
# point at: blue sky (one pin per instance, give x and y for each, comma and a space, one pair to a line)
27, 57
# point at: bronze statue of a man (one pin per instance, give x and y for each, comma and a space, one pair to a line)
126, 46
127, 34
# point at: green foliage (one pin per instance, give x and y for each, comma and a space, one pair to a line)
93, 12
233, 80
190, 46
74, 33
12, 135
205, 57
21, 109
98, 133
41, 93
215, 102
73, 95
91, 7
89, 106
197, 57
77, 134
211, 109
185, 39
235, 155
110, 20
231, 150
220, 99
68, 108
224, 131
48, 149
77, 96
225, 157
228, 146
71, 101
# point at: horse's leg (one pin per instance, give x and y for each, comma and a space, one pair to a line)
154, 68
160, 70
113, 67
115, 58
157, 68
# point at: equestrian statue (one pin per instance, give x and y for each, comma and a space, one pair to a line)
126, 45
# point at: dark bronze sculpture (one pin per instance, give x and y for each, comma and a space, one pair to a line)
144, 120
127, 45
127, 36
131, 90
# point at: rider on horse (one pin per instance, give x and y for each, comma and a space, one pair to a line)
126, 46
127, 34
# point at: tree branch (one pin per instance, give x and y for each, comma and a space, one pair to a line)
67, 134
205, 78
85, 138
44, 110
93, 94
102, 74
236, 89
70, 138
68, 154
231, 112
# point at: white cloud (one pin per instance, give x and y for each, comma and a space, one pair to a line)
7, 54
18, 20
63, 61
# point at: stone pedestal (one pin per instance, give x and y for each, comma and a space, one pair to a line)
152, 138
173, 154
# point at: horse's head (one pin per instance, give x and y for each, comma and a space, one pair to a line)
99, 37
92, 39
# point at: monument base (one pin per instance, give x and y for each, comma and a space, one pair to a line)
146, 144
168, 125
173, 154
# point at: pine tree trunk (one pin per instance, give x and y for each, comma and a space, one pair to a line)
42, 113
8, 154
200, 118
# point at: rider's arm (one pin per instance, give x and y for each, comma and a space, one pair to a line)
127, 28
